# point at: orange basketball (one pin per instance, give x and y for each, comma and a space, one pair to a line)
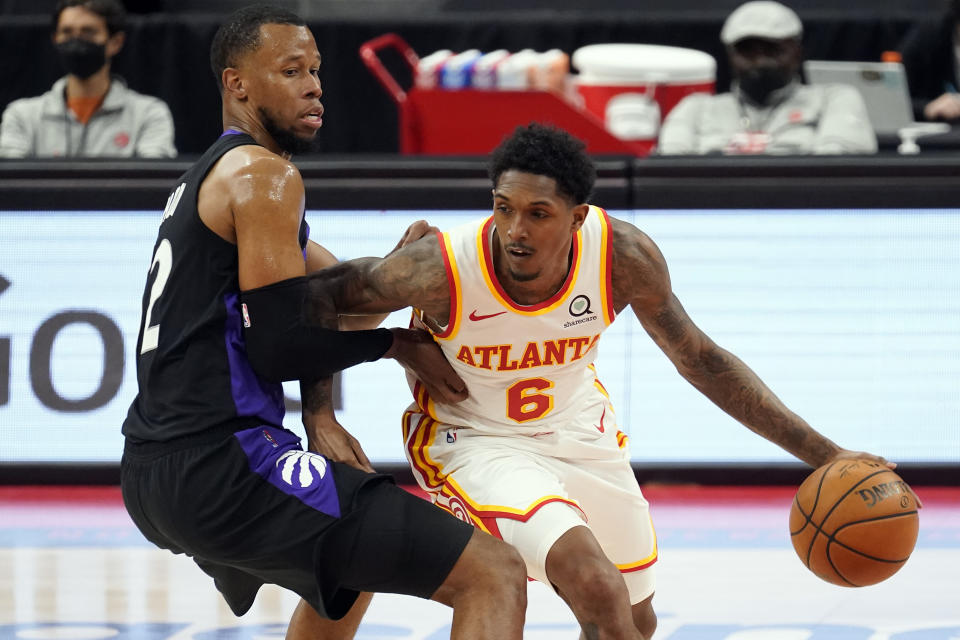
854, 522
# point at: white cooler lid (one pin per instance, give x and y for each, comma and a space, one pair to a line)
603, 64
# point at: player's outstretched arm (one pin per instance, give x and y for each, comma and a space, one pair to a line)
641, 280
413, 275
318, 257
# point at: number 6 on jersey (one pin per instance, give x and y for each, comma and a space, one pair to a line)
525, 402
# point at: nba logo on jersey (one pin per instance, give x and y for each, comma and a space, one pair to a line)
451, 437
246, 315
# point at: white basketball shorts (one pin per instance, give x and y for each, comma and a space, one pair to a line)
529, 491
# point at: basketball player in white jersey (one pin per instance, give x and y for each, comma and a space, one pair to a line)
517, 302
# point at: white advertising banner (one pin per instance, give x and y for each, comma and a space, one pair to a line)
851, 317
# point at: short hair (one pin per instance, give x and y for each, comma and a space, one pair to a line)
111, 11
547, 151
240, 34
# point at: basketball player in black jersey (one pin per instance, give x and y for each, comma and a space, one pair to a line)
208, 470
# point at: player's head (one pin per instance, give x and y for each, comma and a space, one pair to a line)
267, 67
542, 178
87, 34
763, 45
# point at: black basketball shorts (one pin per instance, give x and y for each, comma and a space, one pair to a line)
252, 507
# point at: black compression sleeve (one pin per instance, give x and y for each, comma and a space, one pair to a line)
283, 345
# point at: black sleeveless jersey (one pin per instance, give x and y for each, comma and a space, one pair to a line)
192, 366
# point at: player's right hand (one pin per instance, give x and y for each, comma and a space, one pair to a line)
416, 350
327, 436
414, 232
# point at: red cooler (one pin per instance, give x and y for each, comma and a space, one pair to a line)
632, 87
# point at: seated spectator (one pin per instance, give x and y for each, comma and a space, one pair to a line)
88, 112
768, 110
930, 55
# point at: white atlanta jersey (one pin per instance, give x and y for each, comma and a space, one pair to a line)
529, 369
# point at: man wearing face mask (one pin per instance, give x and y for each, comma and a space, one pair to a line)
768, 110
88, 112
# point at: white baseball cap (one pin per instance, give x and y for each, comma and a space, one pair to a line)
761, 19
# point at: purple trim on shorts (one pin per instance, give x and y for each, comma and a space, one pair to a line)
275, 455
251, 395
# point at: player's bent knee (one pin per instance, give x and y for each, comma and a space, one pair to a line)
487, 566
645, 618
586, 578
596, 581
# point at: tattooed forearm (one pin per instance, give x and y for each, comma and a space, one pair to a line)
317, 396
736, 389
640, 279
412, 276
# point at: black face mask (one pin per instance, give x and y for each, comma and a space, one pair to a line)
81, 58
759, 82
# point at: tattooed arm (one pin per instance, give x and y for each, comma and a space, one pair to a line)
641, 280
410, 276
413, 275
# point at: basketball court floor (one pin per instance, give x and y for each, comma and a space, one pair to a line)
72, 566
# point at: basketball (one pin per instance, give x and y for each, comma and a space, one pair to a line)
854, 522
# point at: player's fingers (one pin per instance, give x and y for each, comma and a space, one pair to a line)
362, 457
457, 388
441, 393
416, 231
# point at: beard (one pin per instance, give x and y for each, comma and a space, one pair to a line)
522, 277
286, 139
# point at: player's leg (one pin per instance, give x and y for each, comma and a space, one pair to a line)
644, 617
487, 590
592, 585
307, 624
395, 542
620, 524
514, 494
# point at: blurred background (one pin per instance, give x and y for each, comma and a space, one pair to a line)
836, 277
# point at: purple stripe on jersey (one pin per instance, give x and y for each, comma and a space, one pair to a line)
230, 132
251, 395
275, 455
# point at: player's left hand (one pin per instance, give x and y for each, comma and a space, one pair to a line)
327, 436
416, 350
414, 232
846, 454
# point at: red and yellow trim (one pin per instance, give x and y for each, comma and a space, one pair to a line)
606, 266
485, 253
453, 282
486, 511
646, 562
622, 439
417, 439
422, 397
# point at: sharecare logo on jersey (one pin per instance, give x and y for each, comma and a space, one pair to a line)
580, 306
308, 463
246, 315
573, 323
